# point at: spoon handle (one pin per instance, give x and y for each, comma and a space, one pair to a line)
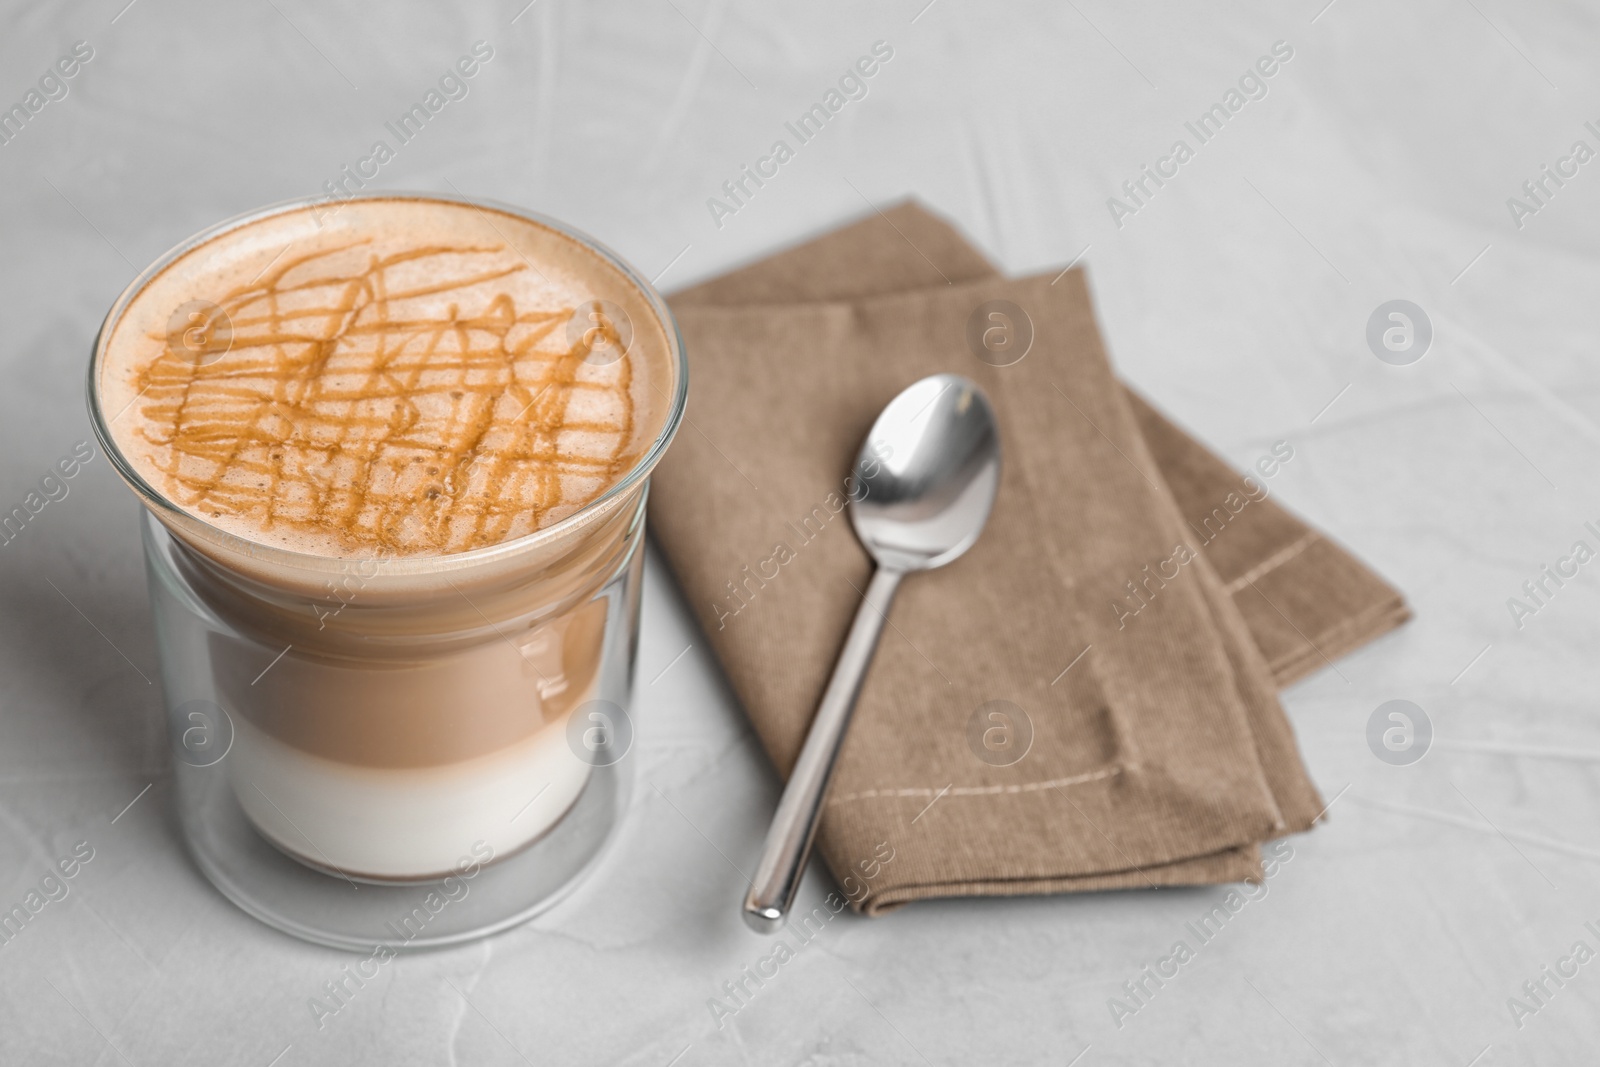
783, 858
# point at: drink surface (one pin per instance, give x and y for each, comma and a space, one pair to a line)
393, 376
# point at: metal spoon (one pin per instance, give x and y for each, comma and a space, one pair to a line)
925, 481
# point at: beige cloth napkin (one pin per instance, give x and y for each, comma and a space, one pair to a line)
1160, 755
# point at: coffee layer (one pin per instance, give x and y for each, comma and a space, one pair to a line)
403, 377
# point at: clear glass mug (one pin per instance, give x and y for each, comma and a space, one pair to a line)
404, 751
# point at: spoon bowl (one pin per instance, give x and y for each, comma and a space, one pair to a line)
928, 472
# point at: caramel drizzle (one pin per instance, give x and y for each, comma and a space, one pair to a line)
336, 413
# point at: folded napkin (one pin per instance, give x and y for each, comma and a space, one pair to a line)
1156, 752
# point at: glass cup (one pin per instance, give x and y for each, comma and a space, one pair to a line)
401, 751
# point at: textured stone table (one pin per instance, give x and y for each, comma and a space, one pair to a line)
1377, 166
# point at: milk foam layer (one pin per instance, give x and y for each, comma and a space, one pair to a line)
403, 377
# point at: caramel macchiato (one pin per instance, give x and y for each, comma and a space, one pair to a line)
335, 414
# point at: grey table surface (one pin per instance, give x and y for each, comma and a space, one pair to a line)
1380, 164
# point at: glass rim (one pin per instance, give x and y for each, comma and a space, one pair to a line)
152, 498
